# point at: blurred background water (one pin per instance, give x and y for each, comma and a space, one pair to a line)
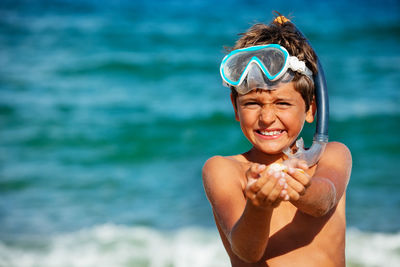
108, 110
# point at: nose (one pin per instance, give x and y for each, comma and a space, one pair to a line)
267, 116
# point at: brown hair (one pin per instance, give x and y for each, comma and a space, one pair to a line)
281, 31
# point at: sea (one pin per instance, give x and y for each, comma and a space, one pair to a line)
109, 109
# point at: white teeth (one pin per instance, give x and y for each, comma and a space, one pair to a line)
271, 133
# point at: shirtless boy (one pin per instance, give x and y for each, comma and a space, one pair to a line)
265, 216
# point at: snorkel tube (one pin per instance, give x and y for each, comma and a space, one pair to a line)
313, 154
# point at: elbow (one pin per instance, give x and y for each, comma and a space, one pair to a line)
319, 212
323, 208
248, 255
252, 259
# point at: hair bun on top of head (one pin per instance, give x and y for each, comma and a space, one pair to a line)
280, 19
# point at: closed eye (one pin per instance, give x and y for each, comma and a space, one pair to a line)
250, 103
282, 103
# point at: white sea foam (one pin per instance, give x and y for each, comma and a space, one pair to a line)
372, 249
112, 245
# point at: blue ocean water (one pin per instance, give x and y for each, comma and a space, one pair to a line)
108, 110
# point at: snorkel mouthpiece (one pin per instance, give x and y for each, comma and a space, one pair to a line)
311, 155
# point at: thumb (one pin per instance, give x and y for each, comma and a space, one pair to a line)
254, 171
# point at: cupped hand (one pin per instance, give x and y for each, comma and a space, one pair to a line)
265, 188
297, 178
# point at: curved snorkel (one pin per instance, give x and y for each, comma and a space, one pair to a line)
313, 154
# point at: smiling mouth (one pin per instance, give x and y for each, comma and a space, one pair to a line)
269, 133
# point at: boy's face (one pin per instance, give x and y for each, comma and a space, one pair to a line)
272, 120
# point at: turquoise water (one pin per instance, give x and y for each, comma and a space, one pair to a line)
108, 110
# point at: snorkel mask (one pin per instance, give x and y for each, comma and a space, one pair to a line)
260, 67
264, 67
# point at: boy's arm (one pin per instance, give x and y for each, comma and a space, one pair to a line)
245, 225
328, 183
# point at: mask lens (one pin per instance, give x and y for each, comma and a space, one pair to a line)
273, 61
236, 65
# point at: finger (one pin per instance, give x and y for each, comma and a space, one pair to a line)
250, 194
254, 185
294, 184
301, 164
255, 170
300, 175
292, 194
254, 173
284, 194
296, 163
276, 191
262, 180
267, 191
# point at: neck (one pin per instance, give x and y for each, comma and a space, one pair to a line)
255, 155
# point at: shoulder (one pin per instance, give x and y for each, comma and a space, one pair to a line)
337, 146
337, 153
226, 172
222, 164
216, 161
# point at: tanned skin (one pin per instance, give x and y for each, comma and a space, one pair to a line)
267, 218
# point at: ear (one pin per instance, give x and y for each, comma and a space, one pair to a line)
311, 112
234, 104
